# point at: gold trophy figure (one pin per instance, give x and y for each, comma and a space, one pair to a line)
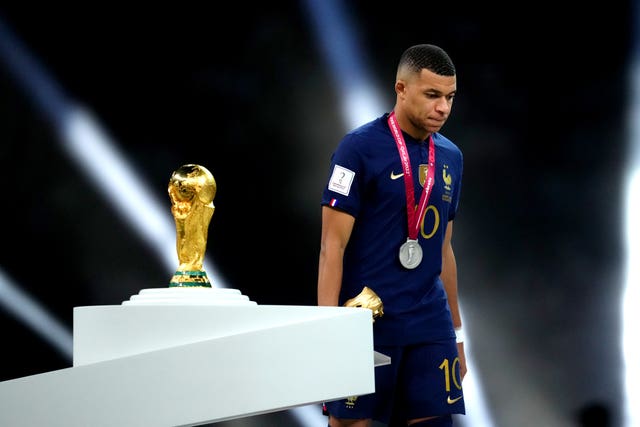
367, 298
192, 189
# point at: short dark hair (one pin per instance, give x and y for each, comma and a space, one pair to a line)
428, 56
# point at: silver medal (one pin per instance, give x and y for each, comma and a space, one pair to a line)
410, 254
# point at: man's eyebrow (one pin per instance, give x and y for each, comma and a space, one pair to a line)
437, 92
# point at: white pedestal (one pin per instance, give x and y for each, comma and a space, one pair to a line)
186, 365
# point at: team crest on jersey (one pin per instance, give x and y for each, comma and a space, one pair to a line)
446, 179
422, 173
351, 402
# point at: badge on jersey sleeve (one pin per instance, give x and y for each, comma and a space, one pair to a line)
341, 180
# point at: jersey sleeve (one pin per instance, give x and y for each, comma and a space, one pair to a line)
343, 186
457, 187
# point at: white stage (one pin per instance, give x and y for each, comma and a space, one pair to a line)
192, 359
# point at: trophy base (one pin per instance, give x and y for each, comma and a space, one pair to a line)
190, 279
191, 295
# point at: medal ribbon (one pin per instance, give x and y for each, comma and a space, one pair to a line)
413, 215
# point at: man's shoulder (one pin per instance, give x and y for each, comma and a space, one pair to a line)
373, 130
443, 142
440, 139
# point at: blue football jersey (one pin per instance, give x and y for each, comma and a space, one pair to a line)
365, 179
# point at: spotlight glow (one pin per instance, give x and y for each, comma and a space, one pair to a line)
35, 316
630, 300
631, 294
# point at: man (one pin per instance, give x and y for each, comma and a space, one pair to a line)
387, 223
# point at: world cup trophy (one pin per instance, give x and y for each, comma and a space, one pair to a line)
192, 189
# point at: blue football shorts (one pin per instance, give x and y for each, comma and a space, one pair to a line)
422, 380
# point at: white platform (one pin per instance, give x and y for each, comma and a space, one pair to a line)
185, 365
189, 296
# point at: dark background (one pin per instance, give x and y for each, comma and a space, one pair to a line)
540, 116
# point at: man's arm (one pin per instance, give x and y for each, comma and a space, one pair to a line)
336, 231
449, 278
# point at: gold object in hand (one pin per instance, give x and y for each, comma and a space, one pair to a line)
367, 299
